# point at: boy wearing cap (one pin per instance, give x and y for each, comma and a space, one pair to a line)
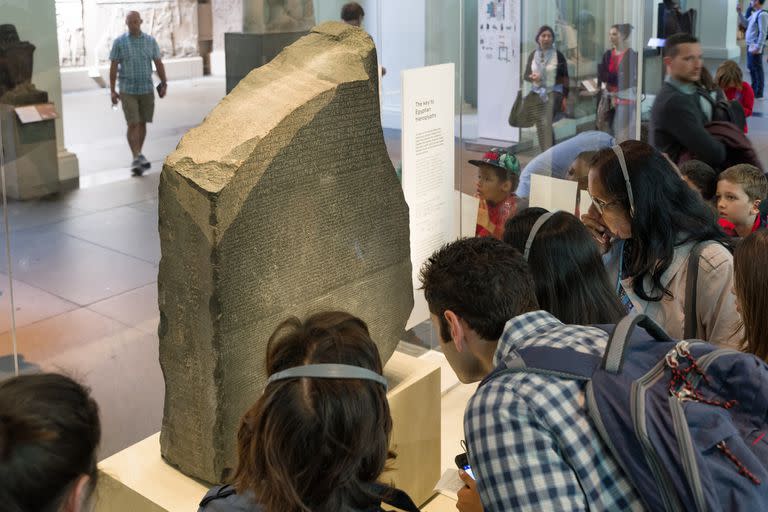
498, 174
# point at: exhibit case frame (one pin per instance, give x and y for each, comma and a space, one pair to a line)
79, 267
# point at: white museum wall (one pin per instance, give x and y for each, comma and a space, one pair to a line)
401, 46
87, 28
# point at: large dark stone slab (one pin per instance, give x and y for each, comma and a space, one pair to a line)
283, 202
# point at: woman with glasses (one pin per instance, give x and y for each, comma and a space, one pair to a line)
649, 224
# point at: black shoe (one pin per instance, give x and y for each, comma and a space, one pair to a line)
145, 164
136, 167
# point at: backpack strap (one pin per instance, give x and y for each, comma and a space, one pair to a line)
691, 319
618, 342
565, 363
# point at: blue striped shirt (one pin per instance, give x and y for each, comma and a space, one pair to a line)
135, 56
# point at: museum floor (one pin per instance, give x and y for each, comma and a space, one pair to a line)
85, 262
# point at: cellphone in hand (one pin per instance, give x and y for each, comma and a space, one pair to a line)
462, 461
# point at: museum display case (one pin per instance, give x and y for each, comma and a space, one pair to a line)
85, 253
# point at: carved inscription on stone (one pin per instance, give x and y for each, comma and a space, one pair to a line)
283, 202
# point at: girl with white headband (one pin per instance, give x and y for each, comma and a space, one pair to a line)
570, 279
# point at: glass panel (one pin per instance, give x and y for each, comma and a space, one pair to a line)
10, 362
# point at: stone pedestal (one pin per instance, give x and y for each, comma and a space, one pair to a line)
244, 52
31, 161
138, 479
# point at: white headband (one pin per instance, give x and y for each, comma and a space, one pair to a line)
623, 163
535, 229
329, 371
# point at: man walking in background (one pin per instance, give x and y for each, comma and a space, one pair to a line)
757, 30
133, 54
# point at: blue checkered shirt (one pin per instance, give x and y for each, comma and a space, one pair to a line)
135, 56
531, 443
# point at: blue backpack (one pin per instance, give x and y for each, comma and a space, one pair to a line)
687, 421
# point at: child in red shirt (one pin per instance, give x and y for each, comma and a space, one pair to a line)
498, 174
740, 190
731, 80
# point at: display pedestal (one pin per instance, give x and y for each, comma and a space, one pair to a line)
31, 163
138, 479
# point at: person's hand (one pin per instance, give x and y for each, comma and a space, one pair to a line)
535, 77
469, 498
115, 97
600, 232
162, 89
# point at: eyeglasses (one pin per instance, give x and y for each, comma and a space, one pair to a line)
603, 205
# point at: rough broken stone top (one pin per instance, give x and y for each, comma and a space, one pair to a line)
308, 71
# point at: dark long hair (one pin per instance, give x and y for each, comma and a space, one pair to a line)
316, 444
571, 282
751, 283
49, 433
667, 212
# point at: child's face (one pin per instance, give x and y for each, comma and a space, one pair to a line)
734, 205
490, 187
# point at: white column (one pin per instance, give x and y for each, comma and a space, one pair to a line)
716, 24
35, 22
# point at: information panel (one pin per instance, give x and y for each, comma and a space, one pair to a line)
498, 68
428, 166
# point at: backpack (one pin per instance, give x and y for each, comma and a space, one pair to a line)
686, 420
726, 110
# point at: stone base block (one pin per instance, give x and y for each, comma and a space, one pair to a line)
137, 478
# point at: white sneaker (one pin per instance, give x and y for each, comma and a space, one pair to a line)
145, 164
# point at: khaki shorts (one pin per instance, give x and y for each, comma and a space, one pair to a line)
138, 108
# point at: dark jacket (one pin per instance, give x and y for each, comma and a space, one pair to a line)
223, 498
627, 75
561, 76
677, 126
738, 148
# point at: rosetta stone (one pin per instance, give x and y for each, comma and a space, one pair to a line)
282, 202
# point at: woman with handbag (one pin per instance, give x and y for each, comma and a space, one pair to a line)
618, 71
547, 71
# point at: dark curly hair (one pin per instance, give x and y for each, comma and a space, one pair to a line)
483, 280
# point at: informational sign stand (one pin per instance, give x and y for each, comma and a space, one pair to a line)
498, 68
428, 166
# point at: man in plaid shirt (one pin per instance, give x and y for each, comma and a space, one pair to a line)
133, 53
531, 443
